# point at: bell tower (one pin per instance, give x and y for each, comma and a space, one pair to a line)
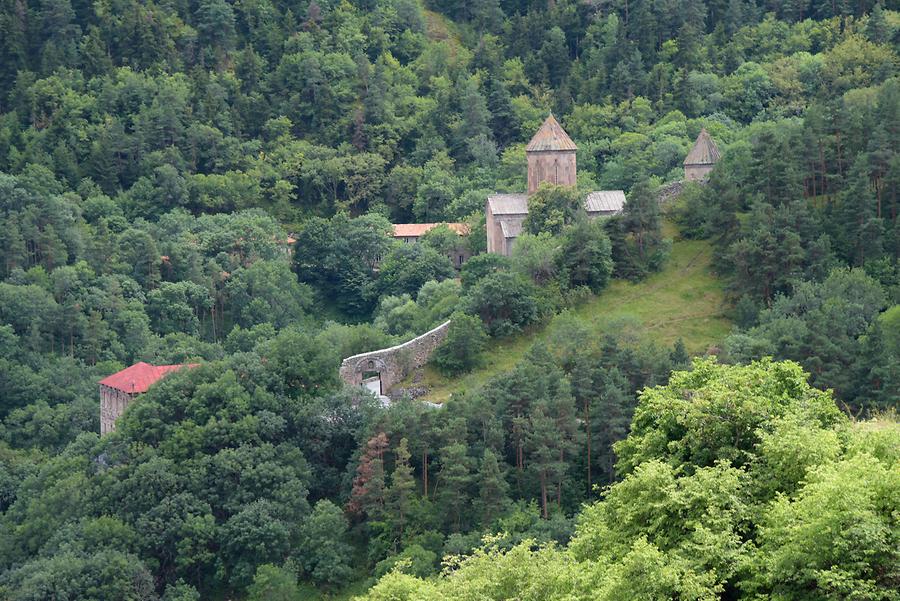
551, 156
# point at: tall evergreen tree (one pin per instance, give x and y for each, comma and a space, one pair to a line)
452, 487
367, 495
492, 488
398, 496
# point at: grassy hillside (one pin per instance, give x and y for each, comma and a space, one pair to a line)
684, 300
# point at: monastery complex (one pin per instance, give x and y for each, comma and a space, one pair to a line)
551, 155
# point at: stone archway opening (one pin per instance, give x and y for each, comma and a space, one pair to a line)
381, 370
371, 377
372, 372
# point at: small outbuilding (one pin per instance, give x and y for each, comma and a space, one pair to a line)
411, 232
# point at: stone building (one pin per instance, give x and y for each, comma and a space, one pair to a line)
551, 158
411, 232
503, 221
118, 390
702, 158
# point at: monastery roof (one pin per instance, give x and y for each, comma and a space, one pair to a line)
508, 204
511, 229
139, 377
604, 201
414, 230
599, 201
550, 136
704, 152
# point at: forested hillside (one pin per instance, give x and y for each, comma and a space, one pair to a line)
214, 183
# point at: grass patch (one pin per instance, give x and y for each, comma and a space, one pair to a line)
684, 300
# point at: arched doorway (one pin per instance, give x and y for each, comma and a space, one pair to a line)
371, 371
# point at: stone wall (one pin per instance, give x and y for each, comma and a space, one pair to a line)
554, 166
697, 173
112, 405
394, 363
669, 192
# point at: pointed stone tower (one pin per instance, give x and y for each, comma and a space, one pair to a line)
702, 158
551, 156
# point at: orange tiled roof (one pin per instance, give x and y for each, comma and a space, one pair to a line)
414, 230
140, 376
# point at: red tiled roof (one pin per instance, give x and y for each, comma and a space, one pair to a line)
414, 230
139, 377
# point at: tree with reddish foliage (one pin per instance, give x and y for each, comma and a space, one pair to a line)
367, 495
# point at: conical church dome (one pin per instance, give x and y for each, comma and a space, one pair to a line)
551, 136
704, 152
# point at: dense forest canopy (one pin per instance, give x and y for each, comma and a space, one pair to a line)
214, 182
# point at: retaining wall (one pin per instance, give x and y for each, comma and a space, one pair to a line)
669, 192
396, 362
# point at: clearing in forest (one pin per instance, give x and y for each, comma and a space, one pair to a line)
684, 300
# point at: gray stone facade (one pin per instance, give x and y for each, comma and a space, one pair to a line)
551, 158
504, 216
395, 363
112, 405
556, 167
697, 173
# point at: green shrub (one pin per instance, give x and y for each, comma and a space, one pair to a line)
462, 349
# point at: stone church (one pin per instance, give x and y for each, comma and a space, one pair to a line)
119, 390
701, 159
551, 158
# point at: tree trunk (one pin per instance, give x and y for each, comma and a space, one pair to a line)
425, 473
587, 425
559, 485
544, 494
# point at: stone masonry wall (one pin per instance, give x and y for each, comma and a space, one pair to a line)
396, 362
669, 192
556, 167
112, 405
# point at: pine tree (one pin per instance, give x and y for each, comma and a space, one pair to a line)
679, 355
453, 484
552, 428
95, 333
399, 495
12, 246
642, 218
367, 495
492, 488
474, 112
583, 391
877, 28
487, 15
863, 231
878, 371
612, 416
541, 441
52, 249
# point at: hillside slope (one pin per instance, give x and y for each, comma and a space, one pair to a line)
685, 300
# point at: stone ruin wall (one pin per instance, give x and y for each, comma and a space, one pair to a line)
669, 192
396, 362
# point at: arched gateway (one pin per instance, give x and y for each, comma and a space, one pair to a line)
381, 370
